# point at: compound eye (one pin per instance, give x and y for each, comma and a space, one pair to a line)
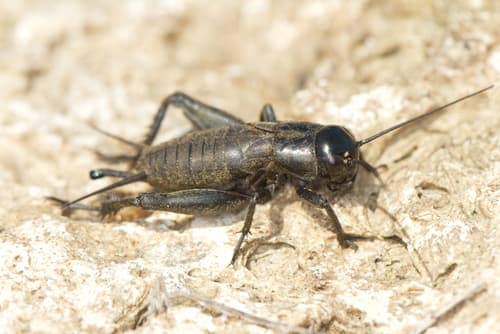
347, 159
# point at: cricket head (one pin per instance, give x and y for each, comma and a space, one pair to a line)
337, 154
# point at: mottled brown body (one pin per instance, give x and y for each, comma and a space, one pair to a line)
226, 165
214, 158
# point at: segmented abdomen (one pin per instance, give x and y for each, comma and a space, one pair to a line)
214, 158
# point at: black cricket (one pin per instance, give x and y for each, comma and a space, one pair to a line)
226, 165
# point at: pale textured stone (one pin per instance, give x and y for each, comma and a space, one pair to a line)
362, 64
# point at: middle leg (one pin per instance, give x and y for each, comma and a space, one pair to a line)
267, 113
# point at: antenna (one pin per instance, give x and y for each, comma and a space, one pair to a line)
397, 126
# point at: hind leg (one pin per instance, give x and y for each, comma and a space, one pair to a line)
195, 202
201, 115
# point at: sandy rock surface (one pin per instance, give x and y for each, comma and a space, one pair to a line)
362, 64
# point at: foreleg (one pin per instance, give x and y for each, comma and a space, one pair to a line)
322, 202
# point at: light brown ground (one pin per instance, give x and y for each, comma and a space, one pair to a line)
362, 64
